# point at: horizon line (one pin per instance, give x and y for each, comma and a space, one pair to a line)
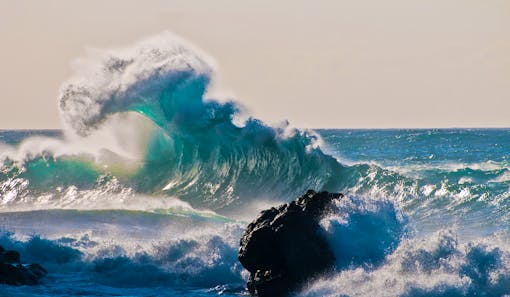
321, 128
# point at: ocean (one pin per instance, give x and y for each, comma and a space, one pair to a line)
99, 235
147, 189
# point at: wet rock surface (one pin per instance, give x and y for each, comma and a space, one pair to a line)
283, 248
12, 272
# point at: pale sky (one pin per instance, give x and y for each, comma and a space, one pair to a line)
339, 63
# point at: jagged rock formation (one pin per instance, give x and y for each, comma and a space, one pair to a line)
12, 272
282, 248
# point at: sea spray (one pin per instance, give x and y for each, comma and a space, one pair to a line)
437, 265
194, 148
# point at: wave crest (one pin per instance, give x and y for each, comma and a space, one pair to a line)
195, 148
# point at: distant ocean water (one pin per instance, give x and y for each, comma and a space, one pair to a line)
147, 190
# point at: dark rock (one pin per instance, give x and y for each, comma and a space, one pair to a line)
37, 270
14, 273
282, 248
11, 257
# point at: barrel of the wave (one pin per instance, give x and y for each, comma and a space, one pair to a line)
282, 248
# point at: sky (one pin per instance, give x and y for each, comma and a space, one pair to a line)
317, 64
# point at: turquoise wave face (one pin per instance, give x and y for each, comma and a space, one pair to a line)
199, 154
195, 151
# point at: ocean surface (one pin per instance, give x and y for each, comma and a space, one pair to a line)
147, 189
430, 217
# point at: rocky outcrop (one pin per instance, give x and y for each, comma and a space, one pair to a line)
12, 272
282, 248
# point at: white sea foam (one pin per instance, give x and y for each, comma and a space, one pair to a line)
108, 81
432, 266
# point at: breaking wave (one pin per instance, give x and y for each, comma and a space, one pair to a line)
183, 143
437, 265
